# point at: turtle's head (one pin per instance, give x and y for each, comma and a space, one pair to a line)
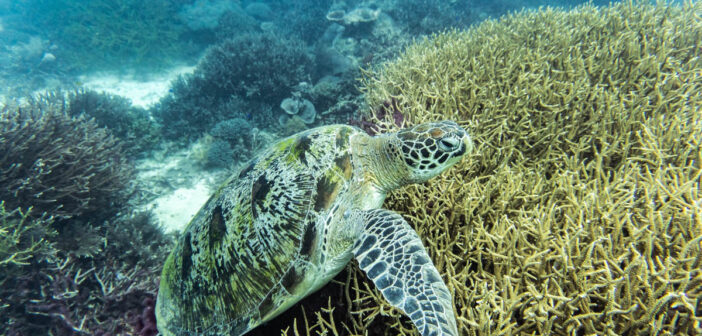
429, 149
412, 155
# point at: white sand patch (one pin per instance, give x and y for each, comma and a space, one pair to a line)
174, 211
143, 90
175, 186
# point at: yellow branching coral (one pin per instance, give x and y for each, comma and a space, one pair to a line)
581, 211
21, 237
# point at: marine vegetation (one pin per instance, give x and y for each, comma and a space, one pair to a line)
290, 221
60, 165
580, 211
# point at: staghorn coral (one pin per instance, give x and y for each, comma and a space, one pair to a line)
580, 211
21, 238
110, 291
57, 164
131, 124
238, 77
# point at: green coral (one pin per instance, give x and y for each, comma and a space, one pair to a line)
21, 237
580, 212
23, 240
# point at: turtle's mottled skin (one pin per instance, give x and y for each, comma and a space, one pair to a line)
293, 218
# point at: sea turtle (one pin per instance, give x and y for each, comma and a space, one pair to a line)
289, 221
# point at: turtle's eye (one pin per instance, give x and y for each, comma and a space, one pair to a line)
449, 144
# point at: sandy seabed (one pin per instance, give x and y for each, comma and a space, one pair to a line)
143, 90
179, 188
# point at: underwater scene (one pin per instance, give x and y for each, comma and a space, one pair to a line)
350, 167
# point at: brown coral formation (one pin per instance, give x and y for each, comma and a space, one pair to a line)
72, 261
104, 284
580, 211
60, 165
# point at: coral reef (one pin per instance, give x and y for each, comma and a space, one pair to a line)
21, 238
260, 11
219, 154
233, 141
71, 261
59, 165
336, 95
261, 66
423, 17
357, 16
109, 291
205, 14
301, 18
298, 106
130, 124
238, 77
233, 23
26, 55
580, 211
232, 129
107, 34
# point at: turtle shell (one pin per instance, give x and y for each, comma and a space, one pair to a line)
243, 255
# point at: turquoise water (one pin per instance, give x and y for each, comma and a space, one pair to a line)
119, 118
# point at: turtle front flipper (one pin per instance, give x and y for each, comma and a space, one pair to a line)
392, 255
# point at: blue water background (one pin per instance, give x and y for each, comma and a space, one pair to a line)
262, 70
50, 42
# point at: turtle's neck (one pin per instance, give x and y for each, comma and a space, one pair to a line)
379, 161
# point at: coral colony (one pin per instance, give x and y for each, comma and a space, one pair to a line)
578, 212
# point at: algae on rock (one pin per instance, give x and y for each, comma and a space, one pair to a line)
580, 211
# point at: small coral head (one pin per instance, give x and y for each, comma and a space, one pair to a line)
429, 149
